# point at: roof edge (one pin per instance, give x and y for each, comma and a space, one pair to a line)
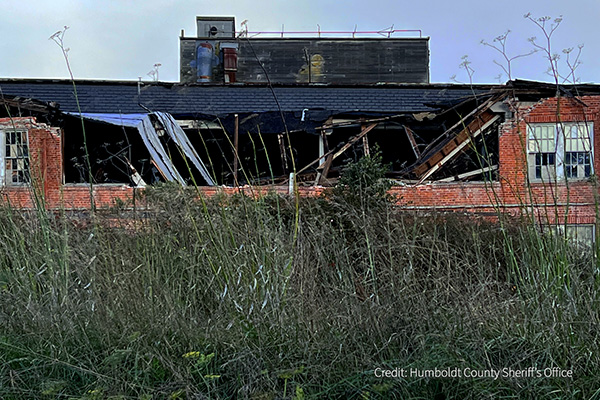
249, 85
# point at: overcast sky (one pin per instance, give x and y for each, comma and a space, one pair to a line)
110, 39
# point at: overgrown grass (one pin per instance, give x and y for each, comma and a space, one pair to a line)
212, 298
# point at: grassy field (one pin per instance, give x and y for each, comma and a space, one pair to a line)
234, 297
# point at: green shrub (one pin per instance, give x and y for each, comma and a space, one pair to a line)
364, 181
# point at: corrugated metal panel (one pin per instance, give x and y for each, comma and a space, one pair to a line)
178, 135
157, 151
152, 141
129, 120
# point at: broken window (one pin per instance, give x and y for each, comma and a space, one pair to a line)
553, 154
542, 151
578, 146
581, 235
16, 157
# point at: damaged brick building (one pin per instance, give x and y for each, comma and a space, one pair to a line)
252, 110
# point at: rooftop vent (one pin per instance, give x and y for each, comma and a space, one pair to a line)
216, 27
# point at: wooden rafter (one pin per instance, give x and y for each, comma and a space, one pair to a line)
477, 111
469, 174
411, 139
336, 153
456, 145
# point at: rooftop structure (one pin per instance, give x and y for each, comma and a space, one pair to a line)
219, 54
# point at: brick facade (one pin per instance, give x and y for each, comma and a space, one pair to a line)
571, 201
46, 168
45, 159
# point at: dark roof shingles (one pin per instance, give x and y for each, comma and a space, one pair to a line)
107, 97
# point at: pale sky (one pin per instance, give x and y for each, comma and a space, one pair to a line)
110, 39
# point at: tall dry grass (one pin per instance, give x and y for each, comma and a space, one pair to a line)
214, 298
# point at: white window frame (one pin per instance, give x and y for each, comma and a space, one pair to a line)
539, 149
582, 235
5, 179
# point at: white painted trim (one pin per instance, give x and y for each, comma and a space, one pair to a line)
559, 151
3, 158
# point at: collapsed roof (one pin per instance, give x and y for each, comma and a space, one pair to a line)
426, 131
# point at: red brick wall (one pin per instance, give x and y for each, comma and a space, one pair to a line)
45, 164
573, 202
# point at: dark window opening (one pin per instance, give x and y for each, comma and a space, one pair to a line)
578, 164
112, 151
543, 160
16, 158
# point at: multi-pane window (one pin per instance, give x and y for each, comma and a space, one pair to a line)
542, 151
16, 157
578, 147
579, 235
560, 150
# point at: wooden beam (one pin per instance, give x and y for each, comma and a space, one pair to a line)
354, 122
159, 170
451, 144
323, 147
282, 153
26, 104
464, 138
468, 174
352, 140
365, 144
413, 142
326, 167
483, 106
236, 135
454, 142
